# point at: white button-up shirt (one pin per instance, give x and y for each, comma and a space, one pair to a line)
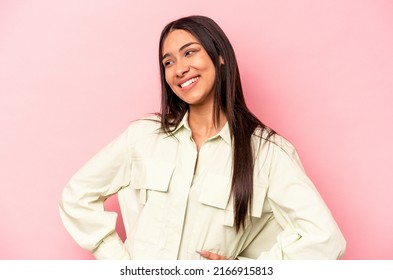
175, 201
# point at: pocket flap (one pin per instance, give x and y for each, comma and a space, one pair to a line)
216, 191
151, 174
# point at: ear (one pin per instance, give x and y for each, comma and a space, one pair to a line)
221, 60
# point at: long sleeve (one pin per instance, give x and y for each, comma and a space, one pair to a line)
309, 230
82, 202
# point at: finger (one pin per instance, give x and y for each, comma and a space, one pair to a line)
211, 256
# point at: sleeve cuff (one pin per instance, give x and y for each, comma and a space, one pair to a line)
111, 248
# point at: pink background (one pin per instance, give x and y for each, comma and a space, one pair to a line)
73, 74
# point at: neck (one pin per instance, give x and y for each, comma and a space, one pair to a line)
202, 124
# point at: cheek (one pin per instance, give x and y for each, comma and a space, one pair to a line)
212, 73
167, 77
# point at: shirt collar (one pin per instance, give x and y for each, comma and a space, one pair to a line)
224, 133
182, 123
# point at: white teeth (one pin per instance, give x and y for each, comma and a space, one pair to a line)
189, 82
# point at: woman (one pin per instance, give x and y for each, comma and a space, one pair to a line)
205, 179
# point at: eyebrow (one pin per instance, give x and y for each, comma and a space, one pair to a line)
181, 48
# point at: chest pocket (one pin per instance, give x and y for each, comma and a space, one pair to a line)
150, 175
216, 192
150, 179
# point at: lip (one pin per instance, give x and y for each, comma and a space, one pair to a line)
187, 79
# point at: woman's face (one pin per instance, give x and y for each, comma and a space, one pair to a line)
189, 71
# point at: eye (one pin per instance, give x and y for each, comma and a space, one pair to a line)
189, 52
167, 63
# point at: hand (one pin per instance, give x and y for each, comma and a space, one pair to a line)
211, 256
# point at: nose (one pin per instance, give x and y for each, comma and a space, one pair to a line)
182, 68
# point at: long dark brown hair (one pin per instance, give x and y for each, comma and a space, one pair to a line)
228, 97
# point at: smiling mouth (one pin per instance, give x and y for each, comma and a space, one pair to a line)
189, 82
